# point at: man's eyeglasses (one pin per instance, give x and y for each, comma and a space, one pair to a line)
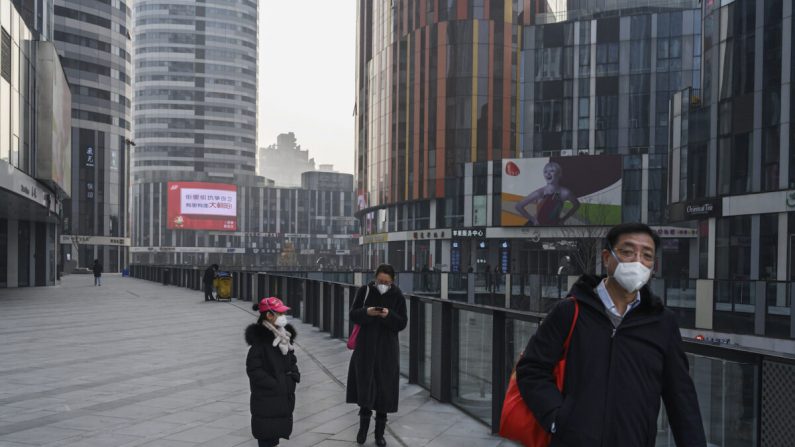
629, 255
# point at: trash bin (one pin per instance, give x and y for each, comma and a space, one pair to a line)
223, 284
125, 272
166, 275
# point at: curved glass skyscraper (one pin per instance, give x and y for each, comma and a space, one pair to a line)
453, 97
195, 119
195, 89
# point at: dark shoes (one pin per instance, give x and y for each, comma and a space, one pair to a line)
380, 426
364, 425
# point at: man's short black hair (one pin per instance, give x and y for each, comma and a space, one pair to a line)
629, 228
386, 268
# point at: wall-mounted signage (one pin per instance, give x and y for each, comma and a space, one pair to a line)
695, 209
469, 232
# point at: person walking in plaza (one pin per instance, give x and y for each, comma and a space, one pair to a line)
97, 269
624, 355
374, 371
209, 276
272, 372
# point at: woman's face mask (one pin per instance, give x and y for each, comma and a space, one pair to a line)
382, 288
281, 321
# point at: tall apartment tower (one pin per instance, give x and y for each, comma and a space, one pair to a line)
196, 90
195, 111
95, 45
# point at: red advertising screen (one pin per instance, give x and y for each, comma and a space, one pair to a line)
202, 206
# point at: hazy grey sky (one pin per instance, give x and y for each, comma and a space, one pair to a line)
307, 76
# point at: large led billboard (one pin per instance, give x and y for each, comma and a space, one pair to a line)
202, 206
577, 190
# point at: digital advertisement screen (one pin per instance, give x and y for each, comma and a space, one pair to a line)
555, 191
202, 206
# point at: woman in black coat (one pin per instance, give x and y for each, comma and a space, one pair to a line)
272, 373
374, 372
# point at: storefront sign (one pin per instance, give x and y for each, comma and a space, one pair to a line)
428, 234
469, 233
695, 210
95, 240
375, 238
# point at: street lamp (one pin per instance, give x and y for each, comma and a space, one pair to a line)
562, 265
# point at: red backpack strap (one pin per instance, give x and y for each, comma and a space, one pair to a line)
573, 323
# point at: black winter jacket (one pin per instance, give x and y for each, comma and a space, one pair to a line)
614, 378
97, 269
208, 277
272, 377
374, 371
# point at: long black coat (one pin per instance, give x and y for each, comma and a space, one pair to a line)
97, 269
374, 371
208, 277
272, 377
614, 379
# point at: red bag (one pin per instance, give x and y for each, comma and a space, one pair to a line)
354, 335
355, 332
517, 422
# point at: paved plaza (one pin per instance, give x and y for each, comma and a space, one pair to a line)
135, 363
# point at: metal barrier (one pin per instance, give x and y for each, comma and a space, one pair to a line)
463, 351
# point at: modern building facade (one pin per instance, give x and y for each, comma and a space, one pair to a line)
306, 227
285, 161
732, 173
449, 93
94, 42
35, 162
195, 89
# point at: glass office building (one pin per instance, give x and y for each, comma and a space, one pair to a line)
94, 42
450, 91
733, 170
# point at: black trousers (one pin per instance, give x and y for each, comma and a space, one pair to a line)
367, 413
208, 294
267, 442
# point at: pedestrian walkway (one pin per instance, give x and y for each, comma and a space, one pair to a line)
135, 363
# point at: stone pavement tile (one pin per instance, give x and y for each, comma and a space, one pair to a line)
41, 435
169, 443
198, 434
100, 440
225, 441
305, 439
136, 411
92, 422
458, 441
149, 429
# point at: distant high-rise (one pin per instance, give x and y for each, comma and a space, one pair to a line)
94, 43
195, 90
284, 161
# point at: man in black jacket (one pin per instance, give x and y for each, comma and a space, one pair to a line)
625, 354
209, 276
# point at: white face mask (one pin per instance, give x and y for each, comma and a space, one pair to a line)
631, 276
382, 288
281, 321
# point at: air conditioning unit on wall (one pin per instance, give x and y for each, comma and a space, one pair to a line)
566, 152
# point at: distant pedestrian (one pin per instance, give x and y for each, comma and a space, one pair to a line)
97, 268
374, 372
272, 373
209, 276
